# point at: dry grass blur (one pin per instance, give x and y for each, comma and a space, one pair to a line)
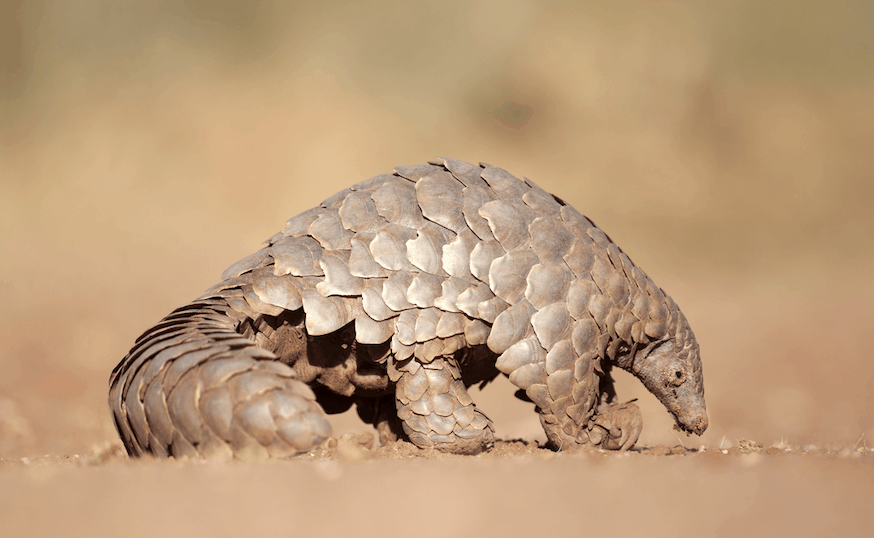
145, 146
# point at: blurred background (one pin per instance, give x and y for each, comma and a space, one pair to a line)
726, 146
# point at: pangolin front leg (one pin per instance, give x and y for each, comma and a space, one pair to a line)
567, 386
436, 410
615, 426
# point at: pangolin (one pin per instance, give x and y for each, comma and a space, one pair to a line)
396, 295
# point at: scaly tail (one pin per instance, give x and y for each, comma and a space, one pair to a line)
194, 386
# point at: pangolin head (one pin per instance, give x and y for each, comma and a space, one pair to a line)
671, 369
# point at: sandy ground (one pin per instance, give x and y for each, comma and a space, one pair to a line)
518, 490
145, 146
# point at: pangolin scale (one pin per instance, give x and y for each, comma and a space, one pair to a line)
396, 295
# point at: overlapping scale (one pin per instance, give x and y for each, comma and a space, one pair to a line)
389, 247
508, 275
468, 174
551, 324
358, 213
456, 255
396, 202
338, 279
424, 290
482, 256
548, 283
474, 198
450, 289
297, 256
327, 314
511, 325
441, 201
551, 239
509, 222
506, 185
361, 262
276, 290
426, 250
253, 261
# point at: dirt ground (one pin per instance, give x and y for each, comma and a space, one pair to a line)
518, 490
146, 146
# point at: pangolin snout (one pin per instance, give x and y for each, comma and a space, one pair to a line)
693, 423
700, 424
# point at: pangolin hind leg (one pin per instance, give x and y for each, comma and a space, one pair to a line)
382, 413
435, 408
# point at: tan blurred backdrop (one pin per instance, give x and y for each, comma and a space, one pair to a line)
145, 146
